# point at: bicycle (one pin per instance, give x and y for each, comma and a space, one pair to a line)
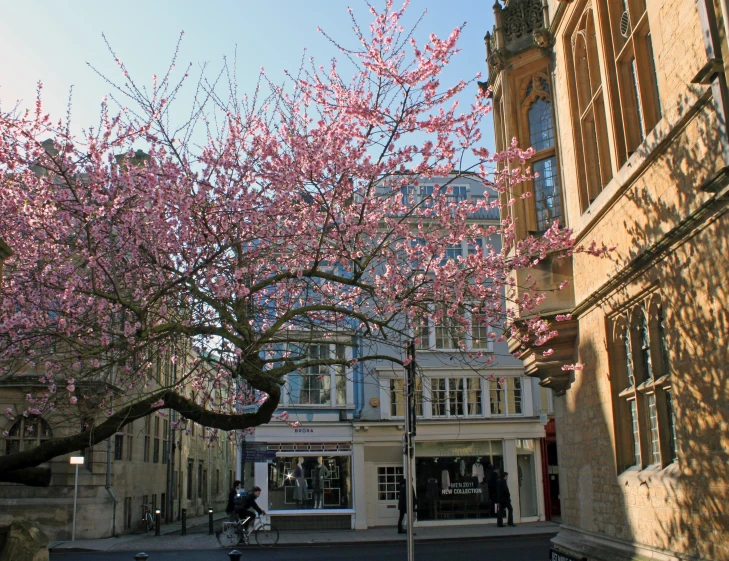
233, 533
147, 522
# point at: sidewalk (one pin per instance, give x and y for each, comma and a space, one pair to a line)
127, 541
200, 541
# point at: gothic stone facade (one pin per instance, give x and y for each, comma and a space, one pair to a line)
625, 103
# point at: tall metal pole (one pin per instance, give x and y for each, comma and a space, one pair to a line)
409, 445
75, 496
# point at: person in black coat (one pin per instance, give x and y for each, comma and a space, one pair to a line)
402, 505
503, 497
230, 507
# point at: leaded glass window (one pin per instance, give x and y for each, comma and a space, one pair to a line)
546, 193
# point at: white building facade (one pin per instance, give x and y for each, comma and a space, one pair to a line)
341, 467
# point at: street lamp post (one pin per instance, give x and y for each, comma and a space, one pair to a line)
409, 445
75, 461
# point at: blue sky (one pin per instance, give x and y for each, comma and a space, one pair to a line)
52, 41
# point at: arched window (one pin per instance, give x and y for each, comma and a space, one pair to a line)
627, 427
588, 100
26, 434
547, 199
641, 362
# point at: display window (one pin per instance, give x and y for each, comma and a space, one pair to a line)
457, 480
307, 483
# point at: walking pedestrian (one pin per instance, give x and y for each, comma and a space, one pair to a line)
230, 507
503, 496
402, 506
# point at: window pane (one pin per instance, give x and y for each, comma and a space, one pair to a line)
638, 102
388, 480
541, 131
645, 348
653, 418
671, 425
636, 431
479, 332
513, 391
546, 193
340, 376
496, 397
438, 394
473, 396
628, 358
455, 396
397, 404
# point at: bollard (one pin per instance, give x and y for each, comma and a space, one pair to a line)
235, 555
184, 522
143, 556
157, 521
210, 521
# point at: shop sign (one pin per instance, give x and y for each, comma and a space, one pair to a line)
555, 555
459, 489
303, 431
257, 452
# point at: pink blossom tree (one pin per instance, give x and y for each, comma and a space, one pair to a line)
285, 225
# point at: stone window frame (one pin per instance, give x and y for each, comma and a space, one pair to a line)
643, 414
19, 427
536, 86
587, 96
637, 104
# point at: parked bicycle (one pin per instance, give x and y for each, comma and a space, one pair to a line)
233, 533
147, 522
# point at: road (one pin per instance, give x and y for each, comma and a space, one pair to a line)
517, 549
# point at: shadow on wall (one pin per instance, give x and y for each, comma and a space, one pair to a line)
591, 497
690, 504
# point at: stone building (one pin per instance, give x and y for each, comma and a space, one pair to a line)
137, 466
625, 103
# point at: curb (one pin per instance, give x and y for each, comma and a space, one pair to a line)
423, 540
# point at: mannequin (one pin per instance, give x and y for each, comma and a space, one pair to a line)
300, 491
318, 475
477, 471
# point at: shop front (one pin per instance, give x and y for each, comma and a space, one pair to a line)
455, 479
307, 482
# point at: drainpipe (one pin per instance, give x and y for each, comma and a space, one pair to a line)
358, 381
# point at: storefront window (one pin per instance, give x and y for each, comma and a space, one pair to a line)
307, 483
457, 480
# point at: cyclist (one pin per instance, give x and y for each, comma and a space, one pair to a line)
243, 503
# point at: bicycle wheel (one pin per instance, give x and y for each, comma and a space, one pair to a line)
266, 537
229, 536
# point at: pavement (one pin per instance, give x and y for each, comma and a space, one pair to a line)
198, 538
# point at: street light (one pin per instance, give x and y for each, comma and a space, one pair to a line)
75, 461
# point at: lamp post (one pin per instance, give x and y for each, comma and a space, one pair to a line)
75, 461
